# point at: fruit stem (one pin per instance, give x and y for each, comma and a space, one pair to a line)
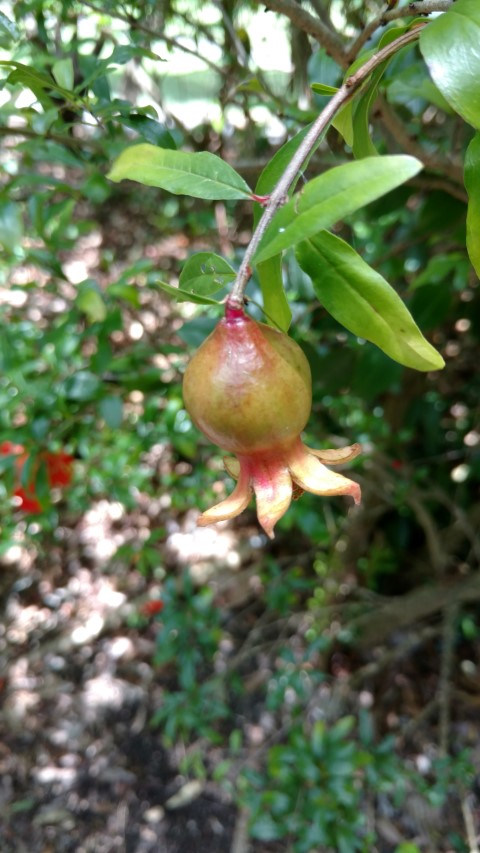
234, 313
280, 192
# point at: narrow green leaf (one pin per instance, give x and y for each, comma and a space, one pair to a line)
202, 175
205, 273
415, 82
276, 167
33, 79
251, 85
151, 130
94, 68
11, 225
275, 303
332, 196
184, 295
472, 184
62, 71
123, 53
361, 300
82, 386
8, 31
362, 143
90, 301
323, 89
111, 410
439, 267
343, 122
127, 292
450, 45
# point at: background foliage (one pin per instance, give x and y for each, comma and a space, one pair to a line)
323, 688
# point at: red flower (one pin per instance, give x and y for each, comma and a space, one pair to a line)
59, 467
152, 607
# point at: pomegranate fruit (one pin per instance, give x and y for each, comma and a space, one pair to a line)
248, 389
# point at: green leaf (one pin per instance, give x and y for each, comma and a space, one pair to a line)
151, 130
111, 410
202, 175
265, 828
123, 53
90, 301
414, 82
332, 196
62, 71
205, 273
8, 31
343, 122
127, 292
450, 47
82, 386
472, 184
276, 167
251, 85
94, 68
275, 303
432, 305
361, 300
439, 267
362, 143
184, 295
11, 225
323, 89
33, 79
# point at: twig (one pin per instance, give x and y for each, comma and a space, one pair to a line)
436, 550
311, 25
374, 668
425, 7
240, 843
431, 183
399, 133
69, 141
404, 610
461, 519
242, 55
171, 42
444, 684
417, 721
279, 194
472, 836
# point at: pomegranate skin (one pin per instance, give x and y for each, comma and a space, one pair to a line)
248, 387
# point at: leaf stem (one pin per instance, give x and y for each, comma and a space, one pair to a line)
279, 194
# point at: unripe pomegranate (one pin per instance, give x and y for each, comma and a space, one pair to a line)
248, 389
248, 386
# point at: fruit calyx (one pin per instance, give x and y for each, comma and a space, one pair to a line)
248, 389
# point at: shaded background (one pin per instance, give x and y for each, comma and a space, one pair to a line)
166, 688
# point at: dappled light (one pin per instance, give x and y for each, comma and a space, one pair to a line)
239, 427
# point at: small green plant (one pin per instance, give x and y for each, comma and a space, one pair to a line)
313, 786
187, 641
311, 790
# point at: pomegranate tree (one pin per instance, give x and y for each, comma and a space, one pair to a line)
248, 389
